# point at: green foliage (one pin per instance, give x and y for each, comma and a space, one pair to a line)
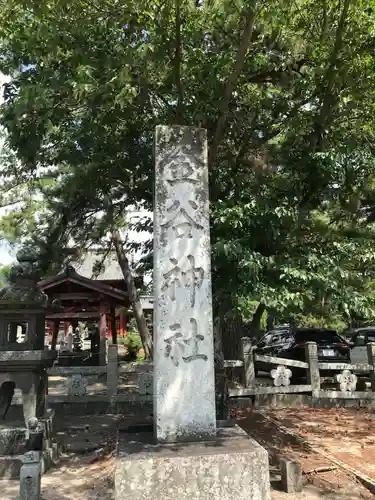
247, 308
133, 344
4, 275
334, 321
291, 170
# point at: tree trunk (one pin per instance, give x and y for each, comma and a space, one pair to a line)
255, 322
270, 321
133, 295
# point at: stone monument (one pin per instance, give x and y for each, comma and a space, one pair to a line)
184, 378
188, 455
23, 361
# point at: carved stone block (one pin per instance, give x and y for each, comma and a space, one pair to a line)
281, 376
30, 476
77, 385
184, 394
347, 381
145, 382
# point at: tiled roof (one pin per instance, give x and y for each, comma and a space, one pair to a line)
85, 266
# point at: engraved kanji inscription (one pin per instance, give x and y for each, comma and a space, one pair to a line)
180, 166
172, 279
181, 223
191, 279
193, 343
186, 348
174, 344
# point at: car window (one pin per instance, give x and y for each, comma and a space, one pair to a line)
275, 339
317, 336
364, 336
360, 340
265, 341
281, 338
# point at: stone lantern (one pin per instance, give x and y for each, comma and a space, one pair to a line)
23, 357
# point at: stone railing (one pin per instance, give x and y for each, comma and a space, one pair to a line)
347, 377
350, 380
79, 377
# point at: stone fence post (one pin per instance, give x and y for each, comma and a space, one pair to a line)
313, 375
371, 361
248, 361
112, 372
30, 476
31, 469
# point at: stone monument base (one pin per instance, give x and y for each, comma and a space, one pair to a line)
13, 446
232, 465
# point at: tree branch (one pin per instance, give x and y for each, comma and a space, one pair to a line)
328, 81
232, 80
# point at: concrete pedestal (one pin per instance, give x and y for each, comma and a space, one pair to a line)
231, 465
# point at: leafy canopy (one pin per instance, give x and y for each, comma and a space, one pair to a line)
286, 92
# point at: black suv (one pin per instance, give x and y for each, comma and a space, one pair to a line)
290, 343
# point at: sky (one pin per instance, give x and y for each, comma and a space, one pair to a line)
7, 255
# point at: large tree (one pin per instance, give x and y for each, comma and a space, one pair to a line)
285, 90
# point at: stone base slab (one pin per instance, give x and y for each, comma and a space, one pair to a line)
230, 466
13, 446
12, 438
13, 435
10, 465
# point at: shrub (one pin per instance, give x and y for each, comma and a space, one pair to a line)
132, 342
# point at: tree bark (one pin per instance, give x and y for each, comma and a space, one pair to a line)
255, 322
133, 295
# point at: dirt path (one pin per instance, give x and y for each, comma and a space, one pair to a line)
74, 479
346, 434
332, 484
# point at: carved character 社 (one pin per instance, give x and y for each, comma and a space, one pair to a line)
186, 348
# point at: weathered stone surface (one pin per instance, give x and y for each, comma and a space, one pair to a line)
12, 438
223, 469
112, 371
30, 476
13, 445
291, 476
145, 384
10, 465
26, 360
22, 288
313, 374
184, 387
77, 385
